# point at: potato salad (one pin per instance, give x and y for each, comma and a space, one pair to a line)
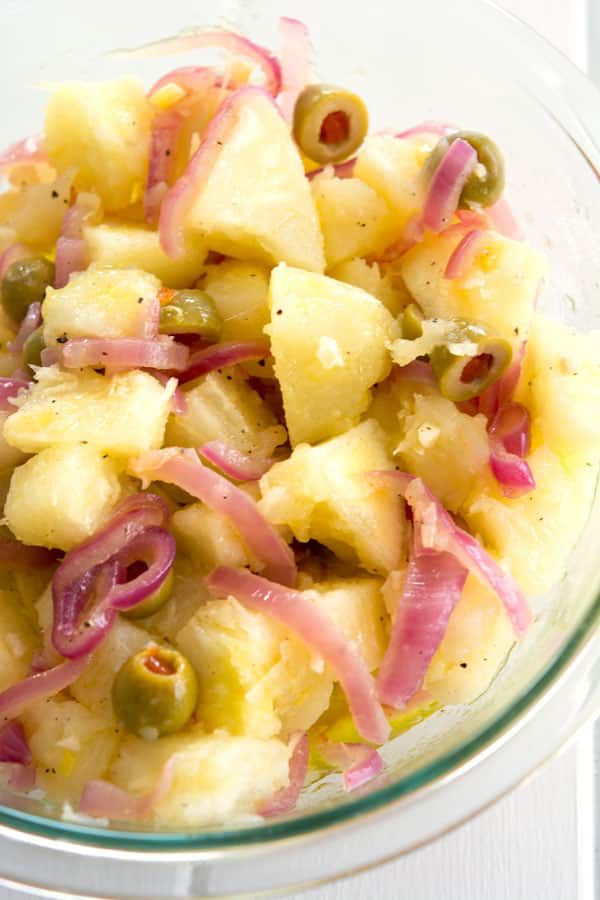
285, 448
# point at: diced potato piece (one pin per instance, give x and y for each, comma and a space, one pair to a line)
122, 415
323, 493
241, 294
70, 746
208, 538
562, 370
93, 688
374, 281
393, 168
355, 221
533, 534
9, 456
224, 407
18, 639
100, 303
477, 641
61, 496
122, 246
499, 291
448, 449
329, 344
356, 606
254, 679
103, 131
216, 778
256, 202
39, 210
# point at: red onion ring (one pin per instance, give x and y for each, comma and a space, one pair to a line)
9, 390
217, 356
360, 763
13, 744
31, 321
233, 463
447, 183
15, 699
285, 799
464, 254
119, 354
295, 63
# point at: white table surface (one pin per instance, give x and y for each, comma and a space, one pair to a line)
539, 842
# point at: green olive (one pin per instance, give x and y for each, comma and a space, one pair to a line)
155, 692
412, 322
191, 312
330, 123
25, 282
154, 602
484, 187
464, 377
32, 348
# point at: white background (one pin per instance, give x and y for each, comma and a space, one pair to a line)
538, 843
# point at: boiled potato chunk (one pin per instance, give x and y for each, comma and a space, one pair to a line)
533, 534
9, 456
477, 641
240, 291
18, 639
448, 449
393, 168
100, 303
224, 407
372, 279
251, 674
499, 291
61, 496
39, 209
70, 746
323, 493
355, 221
255, 201
102, 131
124, 246
216, 778
562, 372
209, 538
329, 344
93, 688
122, 415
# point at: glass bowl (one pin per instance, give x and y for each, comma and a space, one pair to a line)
463, 62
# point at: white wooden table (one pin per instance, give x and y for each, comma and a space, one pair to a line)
538, 843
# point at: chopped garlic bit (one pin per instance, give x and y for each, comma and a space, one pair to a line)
329, 353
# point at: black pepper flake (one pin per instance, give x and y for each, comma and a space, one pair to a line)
66, 202
105, 456
87, 624
515, 330
140, 299
55, 194
62, 339
84, 442
220, 143
463, 665
279, 312
229, 378
262, 363
167, 152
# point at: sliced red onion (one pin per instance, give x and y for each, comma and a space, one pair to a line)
87, 206
120, 354
295, 63
512, 426
9, 390
13, 744
340, 170
156, 548
177, 201
71, 256
512, 473
183, 468
15, 699
15, 555
218, 356
500, 393
82, 583
432, 588
27, 150
233, 43
233, 463
31, 321
435, 530
510, 441
447, 183
285, 798
427, 127
194, 80
464, 254
18, 777
105, 800
360, 763
163, 141
319, 633
503, 220
12, 255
